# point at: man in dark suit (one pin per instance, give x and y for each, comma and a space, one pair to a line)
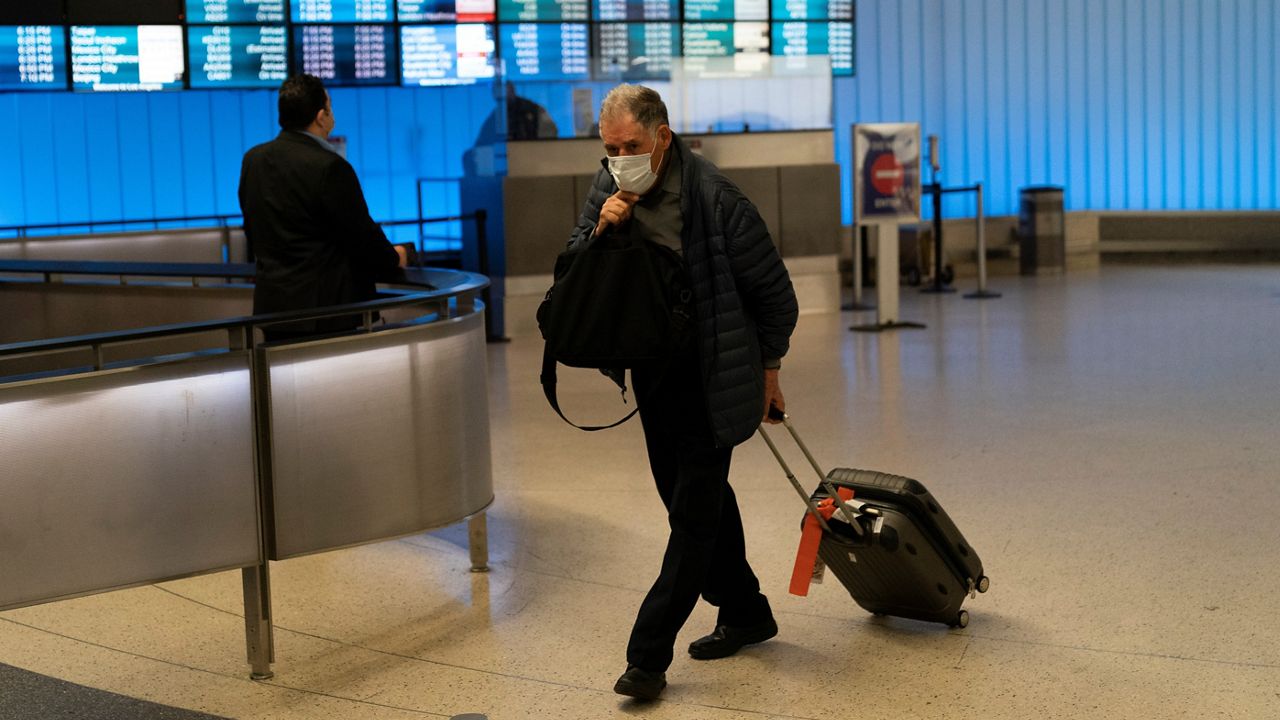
306, 219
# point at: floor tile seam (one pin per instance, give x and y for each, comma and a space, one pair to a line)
429, 661
237, 678
521, 678
1125, 653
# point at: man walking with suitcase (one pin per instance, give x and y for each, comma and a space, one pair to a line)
714, 392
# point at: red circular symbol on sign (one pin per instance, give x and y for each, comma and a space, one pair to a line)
886, 174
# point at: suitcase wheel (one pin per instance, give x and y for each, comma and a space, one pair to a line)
984, 584
962, 620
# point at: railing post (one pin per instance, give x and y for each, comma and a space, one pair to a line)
478, 542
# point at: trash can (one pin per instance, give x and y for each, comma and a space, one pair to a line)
1042, 242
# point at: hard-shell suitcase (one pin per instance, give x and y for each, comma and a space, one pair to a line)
890, 544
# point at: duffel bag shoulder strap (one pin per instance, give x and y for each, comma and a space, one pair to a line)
549, 389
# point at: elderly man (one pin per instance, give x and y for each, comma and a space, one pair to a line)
717, 390
306, 219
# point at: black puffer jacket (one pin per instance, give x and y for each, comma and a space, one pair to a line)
744, 302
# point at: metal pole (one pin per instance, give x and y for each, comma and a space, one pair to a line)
259, 635
478, 541
859, 245
938, 286
982, 292
482, 249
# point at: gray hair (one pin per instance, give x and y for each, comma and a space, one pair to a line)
638, 101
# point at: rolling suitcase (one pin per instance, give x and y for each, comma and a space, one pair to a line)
887, 540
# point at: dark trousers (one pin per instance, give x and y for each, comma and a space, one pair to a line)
706, 553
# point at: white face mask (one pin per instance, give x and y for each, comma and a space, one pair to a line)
634, 173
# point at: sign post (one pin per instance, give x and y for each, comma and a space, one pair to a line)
887, 191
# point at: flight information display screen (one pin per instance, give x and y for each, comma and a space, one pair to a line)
636, 51
446, 54
238, 56
235, 11
342, 11
812, 9
726, 9
545, 51
33, 57
346, 54
637, 10
725, 39
463, 11
127, 57
542, 10
803, 39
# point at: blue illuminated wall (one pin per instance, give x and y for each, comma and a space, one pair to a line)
1129, 104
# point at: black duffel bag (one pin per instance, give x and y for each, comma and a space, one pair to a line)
616, 303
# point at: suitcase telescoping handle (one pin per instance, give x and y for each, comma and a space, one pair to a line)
850, 512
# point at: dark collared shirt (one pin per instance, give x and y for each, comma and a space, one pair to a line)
656, 216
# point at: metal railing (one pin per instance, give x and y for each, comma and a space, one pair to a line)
244, 494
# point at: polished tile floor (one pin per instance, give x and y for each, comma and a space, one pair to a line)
1108, 441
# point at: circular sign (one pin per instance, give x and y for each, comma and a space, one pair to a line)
887, 174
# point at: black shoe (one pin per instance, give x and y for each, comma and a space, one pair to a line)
640, 683
727, 640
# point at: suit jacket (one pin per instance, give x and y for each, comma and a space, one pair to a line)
310, 231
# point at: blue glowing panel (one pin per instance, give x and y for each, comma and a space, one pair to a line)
33, 57
113, 58
238, 56
637, 10
542, 10
464, 11
235, 11
446, 54
545, 51
342, 11
726, 9
812, 9
636, 51
798, 40
346, 54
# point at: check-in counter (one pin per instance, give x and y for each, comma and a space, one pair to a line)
791, 177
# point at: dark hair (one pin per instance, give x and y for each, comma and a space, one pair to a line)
301, 97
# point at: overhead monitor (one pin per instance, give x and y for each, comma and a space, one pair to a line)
545, 51
343, 11
33, 57
31, 12
346, 54
635, 51
812, 9
236, 11
123, 12
728, 10
109, 58
636, 10
238, 56
797, 40
543, 10
446, 54
463, 11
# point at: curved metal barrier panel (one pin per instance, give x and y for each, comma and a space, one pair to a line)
376, 436
126, 477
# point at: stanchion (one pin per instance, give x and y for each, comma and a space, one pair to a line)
938, 285
982, 292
